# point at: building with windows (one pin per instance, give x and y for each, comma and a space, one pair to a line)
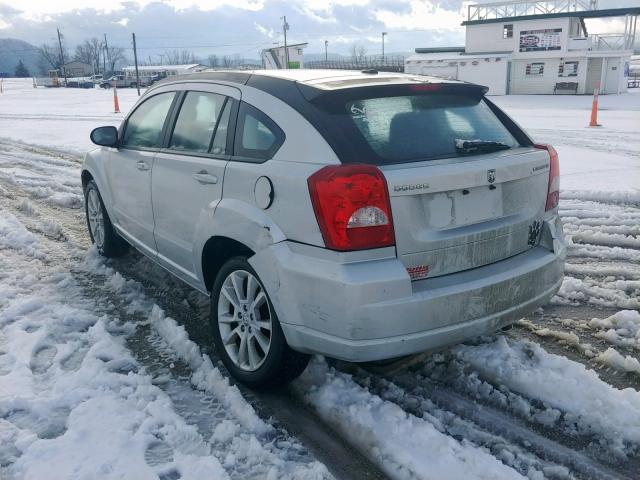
77, 69
147, 72
536, 47
277, 57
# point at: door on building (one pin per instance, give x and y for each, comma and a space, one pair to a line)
612, 76
594, 73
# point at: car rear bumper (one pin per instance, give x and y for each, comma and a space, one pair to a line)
370, 310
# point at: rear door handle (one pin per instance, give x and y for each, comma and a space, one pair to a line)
204, 177
140, 165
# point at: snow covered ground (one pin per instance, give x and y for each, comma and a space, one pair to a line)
106, 370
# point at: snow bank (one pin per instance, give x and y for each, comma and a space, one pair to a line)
613, 358
15, 236
607, 292
591, 405
404, 446
242, 440
74, 404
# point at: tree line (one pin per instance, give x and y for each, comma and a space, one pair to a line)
95, 52
106, 58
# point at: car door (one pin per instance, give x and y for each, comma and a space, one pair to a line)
188, 174
129, 170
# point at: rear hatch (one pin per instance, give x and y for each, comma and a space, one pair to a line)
465, 214
467, 187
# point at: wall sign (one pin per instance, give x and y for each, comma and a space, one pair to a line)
540, 40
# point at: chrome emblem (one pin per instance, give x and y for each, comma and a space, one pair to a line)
491, 175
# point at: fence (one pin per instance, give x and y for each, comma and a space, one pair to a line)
388, 63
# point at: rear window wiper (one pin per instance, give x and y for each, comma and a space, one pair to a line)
479, 146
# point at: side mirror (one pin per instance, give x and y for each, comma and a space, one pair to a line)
105, 136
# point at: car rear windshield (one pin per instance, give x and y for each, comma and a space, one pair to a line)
427, 127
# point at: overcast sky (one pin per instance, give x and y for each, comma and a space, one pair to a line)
245, 26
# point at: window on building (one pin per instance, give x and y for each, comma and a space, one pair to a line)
568, 69
507, 31
535, 69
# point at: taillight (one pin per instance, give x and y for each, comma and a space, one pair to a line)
553, 190
351, 203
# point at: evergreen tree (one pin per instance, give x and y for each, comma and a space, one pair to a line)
21, 70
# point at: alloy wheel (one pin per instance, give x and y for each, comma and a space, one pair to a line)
244, 320
95, 217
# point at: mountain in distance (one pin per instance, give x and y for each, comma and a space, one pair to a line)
12, 51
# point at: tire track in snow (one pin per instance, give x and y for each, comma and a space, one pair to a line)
519, 445
279, 454
185, 306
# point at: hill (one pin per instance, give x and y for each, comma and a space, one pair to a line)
12, 50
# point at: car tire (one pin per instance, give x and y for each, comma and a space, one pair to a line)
103, 235
267, 361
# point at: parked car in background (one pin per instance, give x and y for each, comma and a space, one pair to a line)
80, 82
97, 79
361, 216
120, 81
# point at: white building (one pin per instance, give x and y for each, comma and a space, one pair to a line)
149, 71
275, 58
536, 47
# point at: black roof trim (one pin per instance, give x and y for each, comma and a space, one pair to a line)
609, 12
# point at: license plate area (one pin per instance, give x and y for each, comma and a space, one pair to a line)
480, 204
462, 207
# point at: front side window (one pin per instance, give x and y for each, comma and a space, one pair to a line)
424, 127
197, 120
144, 126
257, 135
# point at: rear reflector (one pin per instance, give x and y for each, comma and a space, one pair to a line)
553, 190
351, 203
418, 272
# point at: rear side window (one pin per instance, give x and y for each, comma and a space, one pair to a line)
144, 126
424, 127
197, 121
257, 136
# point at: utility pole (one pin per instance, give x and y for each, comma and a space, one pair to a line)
106, 52
64, 71
135, 59
383, 35
285, 27
326, 43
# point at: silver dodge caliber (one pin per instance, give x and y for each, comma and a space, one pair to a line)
359, 215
